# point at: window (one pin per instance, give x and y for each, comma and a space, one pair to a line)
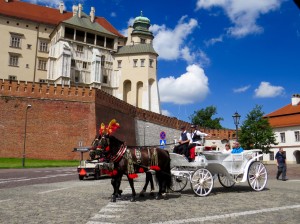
297, 136
109, 43
84, 65
73, 63
142, 62
14, 60
282, 137
102, 61
15, 40
29, 46
12, 77
43, 47
77, 76
151, 63
80, 48
79, 35
69, 33
90, 38
271, 154
119, 64
42, 64
143, 41
104, 79
42, 80
134, 62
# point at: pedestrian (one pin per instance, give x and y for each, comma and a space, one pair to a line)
281, 164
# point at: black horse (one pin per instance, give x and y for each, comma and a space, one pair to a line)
131, 160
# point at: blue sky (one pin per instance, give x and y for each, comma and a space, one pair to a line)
231, 54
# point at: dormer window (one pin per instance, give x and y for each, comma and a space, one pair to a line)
143, 41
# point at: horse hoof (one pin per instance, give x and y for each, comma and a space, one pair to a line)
113, 198
158, 197
151, 193
132, 199
142, 193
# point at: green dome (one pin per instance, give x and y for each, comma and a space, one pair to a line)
141, 19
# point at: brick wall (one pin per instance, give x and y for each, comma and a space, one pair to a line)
63, 117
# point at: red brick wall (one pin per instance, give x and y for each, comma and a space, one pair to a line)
61, 117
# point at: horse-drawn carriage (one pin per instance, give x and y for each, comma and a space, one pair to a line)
228, 168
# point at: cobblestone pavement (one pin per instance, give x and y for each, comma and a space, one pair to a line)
88, 202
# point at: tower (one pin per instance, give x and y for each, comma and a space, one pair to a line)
136, 63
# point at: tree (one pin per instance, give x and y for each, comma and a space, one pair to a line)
256, 132
203, 118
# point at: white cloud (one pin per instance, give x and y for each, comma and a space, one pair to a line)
170, 43
241, 89
189, 88
212, 41
243, 14
266, 90
166, 113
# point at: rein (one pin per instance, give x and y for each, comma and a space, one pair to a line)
119, 154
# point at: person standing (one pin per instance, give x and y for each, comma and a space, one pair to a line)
281, 164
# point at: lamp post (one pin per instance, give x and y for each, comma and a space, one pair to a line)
146, 126
23, 160
236, 120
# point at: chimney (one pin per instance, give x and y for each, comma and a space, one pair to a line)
75, 9
92, 14
295, 99
79, 10
61, 7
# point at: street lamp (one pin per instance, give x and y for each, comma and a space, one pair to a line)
23, 160
236, 120
145, 134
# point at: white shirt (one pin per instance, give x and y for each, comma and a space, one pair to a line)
197, 132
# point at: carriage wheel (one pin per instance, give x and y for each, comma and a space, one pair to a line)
178, 183
225, 181
202, 182
257, 176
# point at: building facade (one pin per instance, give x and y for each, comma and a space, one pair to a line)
46, 45
286, 126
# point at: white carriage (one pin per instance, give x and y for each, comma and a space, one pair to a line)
209, 165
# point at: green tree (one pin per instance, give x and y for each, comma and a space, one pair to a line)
203, 118
256, 132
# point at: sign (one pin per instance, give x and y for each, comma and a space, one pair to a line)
162, 135
162, 143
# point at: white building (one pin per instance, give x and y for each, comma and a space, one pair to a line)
286, 126
46, 45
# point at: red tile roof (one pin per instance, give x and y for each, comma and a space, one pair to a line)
286, 116
42, 14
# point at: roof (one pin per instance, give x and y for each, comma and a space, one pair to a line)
46, 15
286, 116
85, 22
136, 49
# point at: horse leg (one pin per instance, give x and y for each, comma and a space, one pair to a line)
130, 180
148, 179
115, 193
116, 182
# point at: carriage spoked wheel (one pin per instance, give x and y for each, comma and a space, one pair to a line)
202, 182
226, 181
178, 183
257, 176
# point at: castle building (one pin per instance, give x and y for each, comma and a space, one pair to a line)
46, 45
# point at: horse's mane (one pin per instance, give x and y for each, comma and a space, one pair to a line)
115, 143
